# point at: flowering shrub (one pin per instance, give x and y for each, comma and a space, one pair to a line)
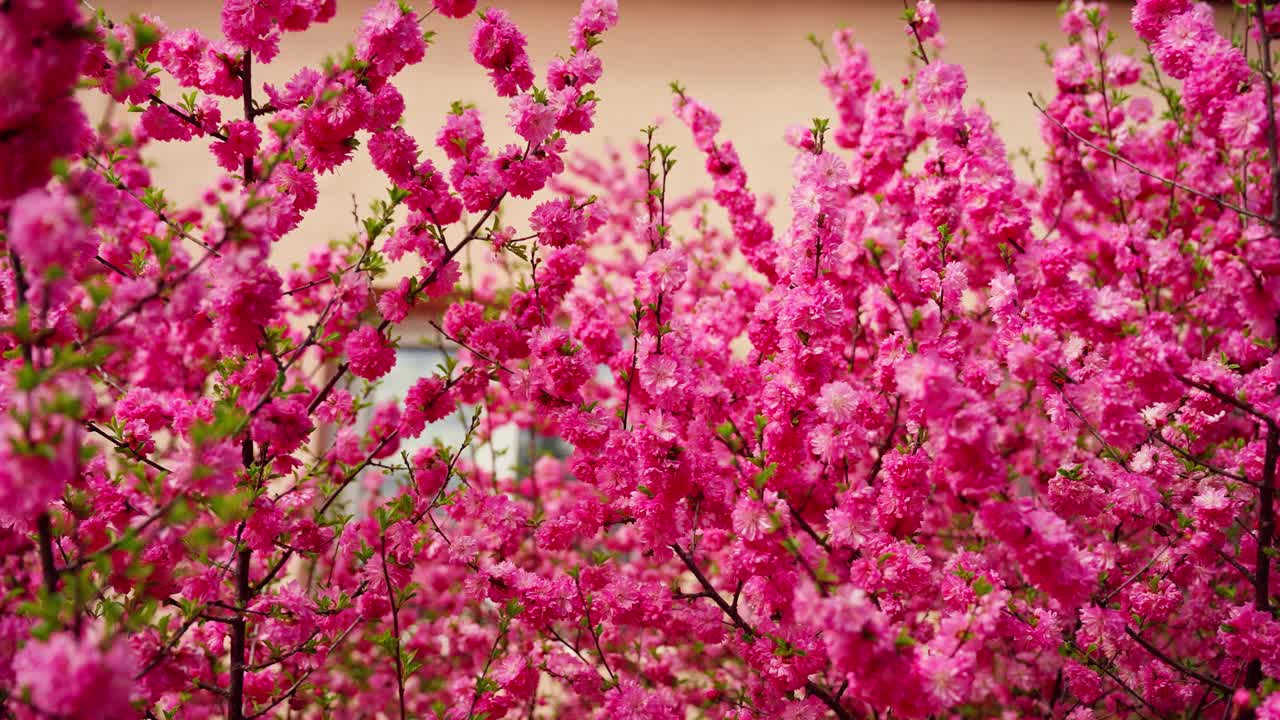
951, 444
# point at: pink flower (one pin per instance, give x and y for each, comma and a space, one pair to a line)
926, 380
164, 126
283, 424
658, 374
1270, 708
941, 86
752, 519
389, 39
632, 701
77, 678
595, 17
244, 298
454, 8
1150, 16
462, 318
926, 23
1182, 40
369, 353
338, 407
46, 230
499, 46
558, 223
665, 271
395, 153
534, 121
579, 70
209, 470
1213, 507
427, 401
462, 136
837, 402
660, 424
26, 152
31, 481
394, 303
242, 142
181, 53
943, 675
263, 526
250, 24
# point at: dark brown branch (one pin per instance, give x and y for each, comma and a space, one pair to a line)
111, 546
732, 612
44, 525
155, 209
333, 496
395, 625
382, 326
886, 443
235, 691
915, 32
1143, 171
220, 692
595, 636
1266, 538
93, 428
808, 529
1273, 142
246, 75
1267, 495
1189, 457
185, 117
1184, 670
48, 569
1244, 407
293, 689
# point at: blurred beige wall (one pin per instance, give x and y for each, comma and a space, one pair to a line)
750, 61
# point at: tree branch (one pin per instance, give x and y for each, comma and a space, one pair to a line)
732, 612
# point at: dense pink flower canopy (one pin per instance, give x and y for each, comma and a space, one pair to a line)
952, 443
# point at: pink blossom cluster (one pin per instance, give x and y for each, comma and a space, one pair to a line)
950, 442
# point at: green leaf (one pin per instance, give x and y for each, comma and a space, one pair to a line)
982, 586
232, 507
764, 476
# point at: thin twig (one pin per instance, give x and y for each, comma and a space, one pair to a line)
1162, 657
1158, 178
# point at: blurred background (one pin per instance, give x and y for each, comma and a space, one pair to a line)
748, 60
